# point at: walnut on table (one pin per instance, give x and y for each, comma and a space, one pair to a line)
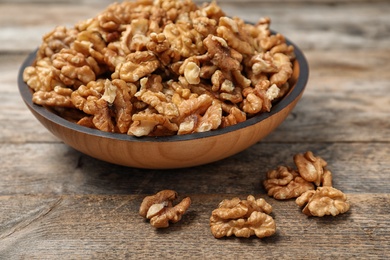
311, 168
242, 218
323, 201
160, 210
285, 183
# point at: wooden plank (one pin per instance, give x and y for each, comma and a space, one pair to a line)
311, 26
54, 168
98, 226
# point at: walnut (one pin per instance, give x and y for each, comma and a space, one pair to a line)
137, 65
195, 105
311, 168
192, 73
236, 37
145, 123
161, 47
59, 97
323, 201
221, 55
285, 183
184, 38
84, 97
212, 10
267, 43
41, 76
199, 114
196, 123
259, 98
160, 210
235, 116
242, 218
204, 25
72, 68
285, 70
262, 63
139, 28
91, 43
158, 101
56, 40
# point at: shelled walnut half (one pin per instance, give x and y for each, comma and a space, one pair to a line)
160, 210
242, 218
323, 201
285, 183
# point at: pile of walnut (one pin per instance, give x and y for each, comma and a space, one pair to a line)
161, 67
311, 184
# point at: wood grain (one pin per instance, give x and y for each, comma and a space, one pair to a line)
42, 225
57, 203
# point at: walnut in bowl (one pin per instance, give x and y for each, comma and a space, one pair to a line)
166, 86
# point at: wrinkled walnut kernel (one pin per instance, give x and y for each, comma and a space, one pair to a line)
284, 183
242, 218
160, 210
323, 201
311, 168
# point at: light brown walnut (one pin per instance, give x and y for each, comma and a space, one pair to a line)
285, 183
59, 97
242, 218
41, 77
56, 40
73, 68
219, 53
158, 101
184, 38
310, 167
137, 65
148, 122
232, 31
235, 116
323, 201
91, 43
160, 210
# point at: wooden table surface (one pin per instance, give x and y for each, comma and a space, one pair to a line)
56, 203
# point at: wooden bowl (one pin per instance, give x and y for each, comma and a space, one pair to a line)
169, 151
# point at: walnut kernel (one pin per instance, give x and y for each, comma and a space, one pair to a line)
242, 218
160, 210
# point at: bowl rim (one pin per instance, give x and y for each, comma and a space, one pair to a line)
294, 93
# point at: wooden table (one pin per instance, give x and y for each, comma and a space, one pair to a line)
57, 203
